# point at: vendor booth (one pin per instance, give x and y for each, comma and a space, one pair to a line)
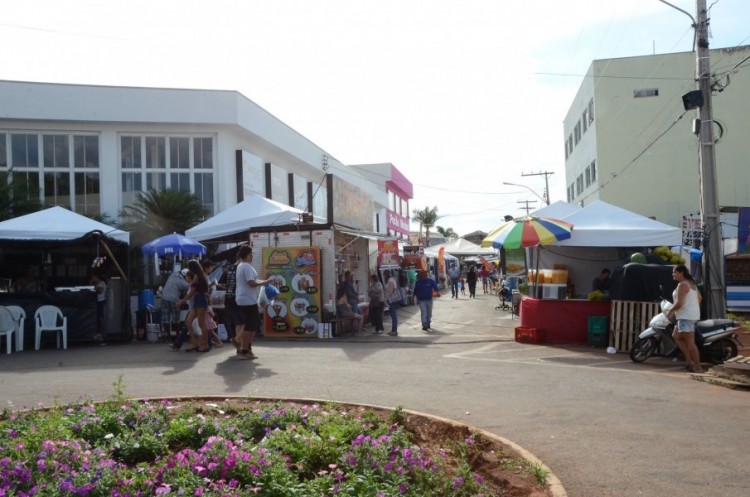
306, 258
50, 257
604, 237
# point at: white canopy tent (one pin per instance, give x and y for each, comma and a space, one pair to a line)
253, 212
462, 247
604, 236
56, 223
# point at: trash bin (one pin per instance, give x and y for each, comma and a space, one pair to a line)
145, 299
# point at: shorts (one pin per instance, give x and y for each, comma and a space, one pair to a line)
100, 306
170, 313
686, 325
200, 301
233, 318
252, 317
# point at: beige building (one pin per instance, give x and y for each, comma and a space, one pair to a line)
629, 140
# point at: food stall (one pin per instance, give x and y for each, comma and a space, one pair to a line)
604, 236
49, 256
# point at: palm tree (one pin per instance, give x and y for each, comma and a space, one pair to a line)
447, 233
426, 217
157, 213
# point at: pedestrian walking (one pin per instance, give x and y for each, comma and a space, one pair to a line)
423, 291
471, 280
454, 274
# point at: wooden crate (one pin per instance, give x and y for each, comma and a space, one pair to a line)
627, 320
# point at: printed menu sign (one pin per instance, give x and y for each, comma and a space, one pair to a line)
295, 272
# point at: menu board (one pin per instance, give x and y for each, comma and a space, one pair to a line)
295, 272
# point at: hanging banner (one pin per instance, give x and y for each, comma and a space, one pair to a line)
295, 272
441, 261
743, 231
388, 257
486, 263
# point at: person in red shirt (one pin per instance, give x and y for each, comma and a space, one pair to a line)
485, 275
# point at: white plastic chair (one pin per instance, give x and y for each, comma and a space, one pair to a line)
7, 327
19, 315
47, 318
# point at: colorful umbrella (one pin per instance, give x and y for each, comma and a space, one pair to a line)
528, 231
174, 244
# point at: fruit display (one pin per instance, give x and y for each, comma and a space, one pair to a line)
668, 256
639, 258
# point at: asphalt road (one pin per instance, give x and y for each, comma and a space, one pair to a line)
605, 426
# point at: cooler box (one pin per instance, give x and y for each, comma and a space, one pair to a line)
529, 335
597, 331
145, 299
552, 291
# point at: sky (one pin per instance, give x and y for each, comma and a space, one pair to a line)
460, 96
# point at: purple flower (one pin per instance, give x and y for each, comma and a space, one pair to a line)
458, 481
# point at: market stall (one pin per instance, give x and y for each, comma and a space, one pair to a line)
50, 256
604, 237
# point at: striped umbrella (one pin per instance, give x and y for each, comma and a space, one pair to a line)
528, 231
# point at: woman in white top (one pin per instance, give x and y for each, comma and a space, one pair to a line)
687, 311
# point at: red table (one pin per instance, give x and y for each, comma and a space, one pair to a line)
563, 321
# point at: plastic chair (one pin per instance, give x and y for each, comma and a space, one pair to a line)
7, 327
47, 318
19, 315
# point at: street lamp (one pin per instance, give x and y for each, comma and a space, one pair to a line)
545, 200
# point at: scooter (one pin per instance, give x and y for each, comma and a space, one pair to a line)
716, 338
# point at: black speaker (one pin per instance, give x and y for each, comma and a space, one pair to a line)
692, 100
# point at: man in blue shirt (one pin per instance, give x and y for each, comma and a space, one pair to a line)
423, 289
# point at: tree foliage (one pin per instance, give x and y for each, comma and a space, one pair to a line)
17, 198
426, 218
158, 213
447, 233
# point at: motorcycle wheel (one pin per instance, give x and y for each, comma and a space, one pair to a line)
642, 349
721, 350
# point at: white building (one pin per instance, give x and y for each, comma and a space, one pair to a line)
91, 148
629, 140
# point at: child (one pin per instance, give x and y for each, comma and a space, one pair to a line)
462, 286
211, 327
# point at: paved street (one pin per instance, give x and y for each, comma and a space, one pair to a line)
605, 426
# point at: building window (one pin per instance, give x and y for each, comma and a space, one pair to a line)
591, 111
52, 177
579, 184
25, 151
570, 144
56, 152
585, 120
649, 92
86, 151
593, 171
565, 143
3, 150
587, 174
87, 193
171, 162
577, 131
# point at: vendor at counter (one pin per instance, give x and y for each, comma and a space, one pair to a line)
601, 282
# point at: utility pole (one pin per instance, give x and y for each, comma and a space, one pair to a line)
527, 202
713, 255
546, 174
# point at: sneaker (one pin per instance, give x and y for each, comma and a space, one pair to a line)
424, 328
393, 334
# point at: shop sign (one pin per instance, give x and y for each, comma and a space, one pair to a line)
388, 257
295, 272
396, 222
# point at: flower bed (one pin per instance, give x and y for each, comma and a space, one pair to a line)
249, 447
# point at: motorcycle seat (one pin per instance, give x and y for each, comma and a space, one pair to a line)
710, 325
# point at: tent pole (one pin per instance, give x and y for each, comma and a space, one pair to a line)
114, 260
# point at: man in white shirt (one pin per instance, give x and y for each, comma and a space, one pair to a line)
246, 296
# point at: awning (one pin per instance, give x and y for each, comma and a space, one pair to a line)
364, 234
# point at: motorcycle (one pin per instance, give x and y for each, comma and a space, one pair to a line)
715, 338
